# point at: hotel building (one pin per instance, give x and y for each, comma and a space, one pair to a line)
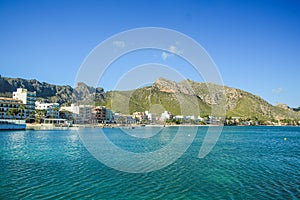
27, 98
52, 109
7, 104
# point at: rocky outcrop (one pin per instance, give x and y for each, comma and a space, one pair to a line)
238, 102
87, 94
52, 93
283, 106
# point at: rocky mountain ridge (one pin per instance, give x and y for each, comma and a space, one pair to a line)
52, 93
169, 95
238, 102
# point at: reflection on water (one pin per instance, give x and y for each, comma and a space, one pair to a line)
142, 132
17, 137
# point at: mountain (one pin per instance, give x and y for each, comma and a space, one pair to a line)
46, 92
180, 98
189, 97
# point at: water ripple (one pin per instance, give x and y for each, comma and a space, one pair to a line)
246, 163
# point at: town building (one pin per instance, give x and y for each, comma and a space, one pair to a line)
179, 117
119, 118
110, 116
150, 116
57, 122
28, 99
104, 115
11, 108
85, 115
82, 114
52, 109
73, 108
165, 116
139, 116
100, 112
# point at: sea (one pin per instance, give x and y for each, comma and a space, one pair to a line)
255, 162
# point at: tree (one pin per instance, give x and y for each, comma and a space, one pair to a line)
54, 111
21, 110
12, 112
39, 114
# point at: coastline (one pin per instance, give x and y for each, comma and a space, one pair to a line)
82, 126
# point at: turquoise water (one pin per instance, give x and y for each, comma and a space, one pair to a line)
246, 163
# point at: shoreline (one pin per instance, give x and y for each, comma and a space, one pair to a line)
81, 126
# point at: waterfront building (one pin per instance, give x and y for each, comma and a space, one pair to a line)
165, 116
179, 117
150, 116
85, 115
73, 109
199, 119
65, 114
100, 112
11, 108
110, 118
123, 119
129, 119
56, 122
28, 99
52, 109
82, 114
139, 116
104, 115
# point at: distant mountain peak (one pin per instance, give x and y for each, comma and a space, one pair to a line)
164, 92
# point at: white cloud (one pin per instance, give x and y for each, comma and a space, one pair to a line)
120, 44
278, 90
165, 55
174, 50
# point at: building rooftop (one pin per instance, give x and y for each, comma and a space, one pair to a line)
11, 100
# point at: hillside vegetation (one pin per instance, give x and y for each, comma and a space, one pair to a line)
193, 98
179, 98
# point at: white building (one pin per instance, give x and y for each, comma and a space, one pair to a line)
139, 116
165, 116
199, 119
83, 114
189, 117
150, 116
179, 117
73, 109
7, 104
52, 109
27, 98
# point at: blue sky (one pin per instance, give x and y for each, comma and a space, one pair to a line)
255, 44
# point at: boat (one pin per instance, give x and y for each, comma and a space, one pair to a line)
11, 124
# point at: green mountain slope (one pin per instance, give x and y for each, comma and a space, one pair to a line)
180, 98
193, 98
150, 98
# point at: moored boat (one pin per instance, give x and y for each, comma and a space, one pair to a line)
11, 124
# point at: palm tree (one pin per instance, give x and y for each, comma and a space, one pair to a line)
55, 110
21, 110
12, 112
39, 114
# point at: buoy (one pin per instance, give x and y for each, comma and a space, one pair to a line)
284, 139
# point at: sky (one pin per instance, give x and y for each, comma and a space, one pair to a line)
254, 44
